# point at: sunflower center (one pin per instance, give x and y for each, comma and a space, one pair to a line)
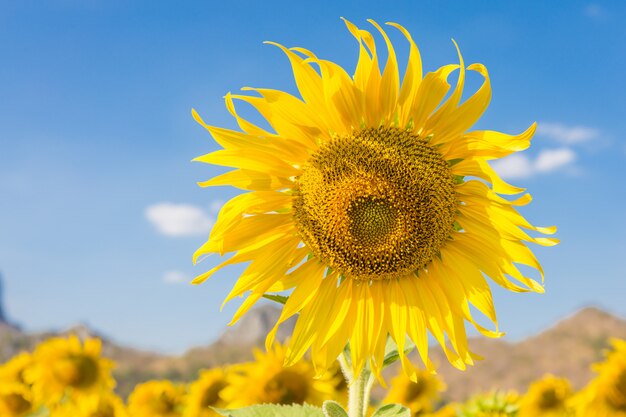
163, 404
376, 204
16, 403
77, 371
210, 396
287, 387
415, 390
104, 410
549, 399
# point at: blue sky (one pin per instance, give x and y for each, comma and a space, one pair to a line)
99, 208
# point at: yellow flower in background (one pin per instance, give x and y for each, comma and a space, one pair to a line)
419, 396
605, 396
13, 370
205, 393
156, 399
65, 366
266, 381
547, 397
373, 203
106, 404
15, 400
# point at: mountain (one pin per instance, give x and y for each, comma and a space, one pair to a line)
566, 349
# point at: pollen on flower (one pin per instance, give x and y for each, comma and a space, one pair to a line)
376, 204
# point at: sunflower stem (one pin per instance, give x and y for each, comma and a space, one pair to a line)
359, 388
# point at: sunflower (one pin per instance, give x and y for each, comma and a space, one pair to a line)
372, 203
156, 399
15, 400
266, 381
605, 396
547, 397
419, 395
106, 404
13, 370
65, 366
205, 393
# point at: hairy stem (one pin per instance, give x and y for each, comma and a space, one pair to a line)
359, 388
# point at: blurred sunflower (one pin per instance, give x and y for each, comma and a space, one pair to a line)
605, 396
266, 381
15, 400
374, 204
65, 366
419, 395
547, 397
106, 404
156, 399
13, 370
205, 393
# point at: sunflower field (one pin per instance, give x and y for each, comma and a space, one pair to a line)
67, 377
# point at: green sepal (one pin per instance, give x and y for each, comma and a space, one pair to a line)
392, 410
333, 409
273, 410
281, 299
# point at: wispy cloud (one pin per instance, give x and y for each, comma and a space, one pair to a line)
594, 11
567, 135
175, 277
178, 220
521, 166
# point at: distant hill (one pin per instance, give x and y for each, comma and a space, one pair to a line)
566, 349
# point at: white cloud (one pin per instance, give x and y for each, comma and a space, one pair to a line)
179, 219
568, 135
521, 166
514, 166
175, 277
552, 159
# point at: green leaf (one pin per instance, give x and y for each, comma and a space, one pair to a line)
392, 410
273, 410
281, 299
391, 351
333, 409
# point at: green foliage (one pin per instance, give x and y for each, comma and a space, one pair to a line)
333, 409
392, 410
391, 351
273, 410
496, 403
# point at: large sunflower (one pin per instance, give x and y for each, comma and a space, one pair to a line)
373, 203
